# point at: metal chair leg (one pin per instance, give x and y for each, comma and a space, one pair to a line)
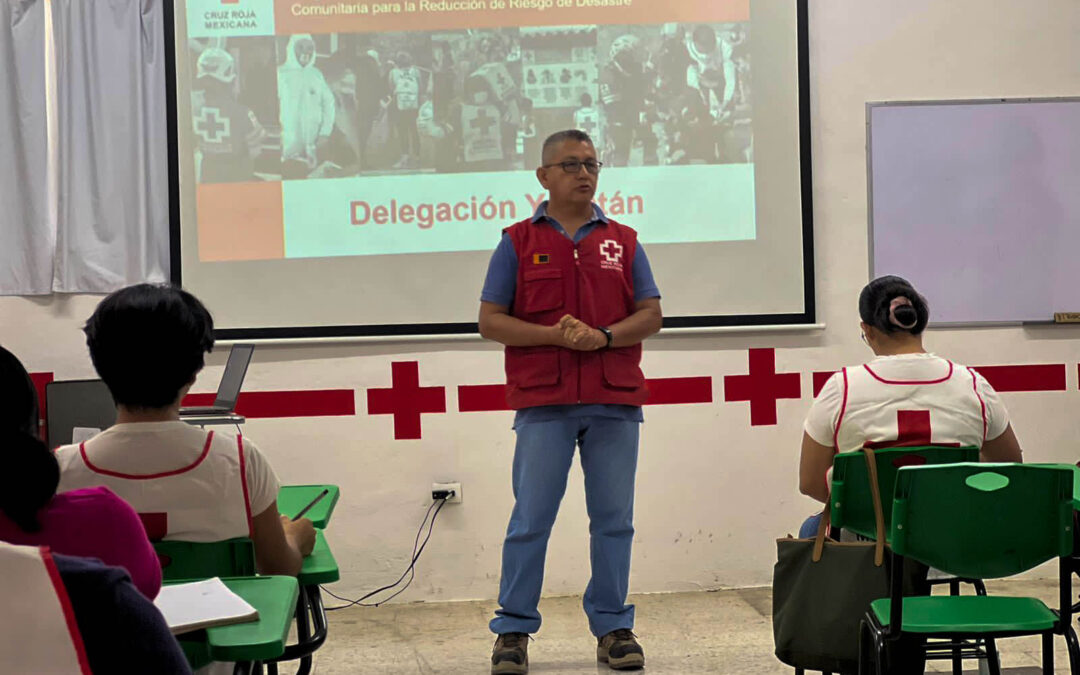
957, 659
1074, 650
303, 630
311, 630
1048, 653
882, 656
864, 649
993, 662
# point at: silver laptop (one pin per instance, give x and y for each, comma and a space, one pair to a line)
229, 388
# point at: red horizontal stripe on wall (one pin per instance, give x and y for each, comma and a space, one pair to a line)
1041, 377
678, 390
304, 403
41, 380
481, 397
820, 378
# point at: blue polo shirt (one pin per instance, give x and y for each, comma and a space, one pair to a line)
500, 286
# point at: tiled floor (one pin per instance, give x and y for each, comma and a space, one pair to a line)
716, 632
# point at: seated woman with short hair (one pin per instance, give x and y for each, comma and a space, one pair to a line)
903, 397
147, 343
92, 522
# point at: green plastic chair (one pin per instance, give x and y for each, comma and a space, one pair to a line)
980, 521
192, 561
292, 498
852, 509
851, 506
186, 561
311, 625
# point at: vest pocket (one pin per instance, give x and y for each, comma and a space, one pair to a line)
543, 289
621, 369
539, 368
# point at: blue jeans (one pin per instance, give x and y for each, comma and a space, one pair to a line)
542, 461
809, 528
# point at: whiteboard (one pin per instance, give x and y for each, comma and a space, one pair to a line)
977, 203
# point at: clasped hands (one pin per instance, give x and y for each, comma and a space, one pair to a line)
578, 335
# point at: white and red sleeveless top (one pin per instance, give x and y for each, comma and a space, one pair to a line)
906, 400
200, 495
38, 631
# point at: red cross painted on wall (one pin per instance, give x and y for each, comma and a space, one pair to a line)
406, 400
913, 430
762, 387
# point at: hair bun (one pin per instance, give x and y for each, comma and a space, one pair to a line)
902, 313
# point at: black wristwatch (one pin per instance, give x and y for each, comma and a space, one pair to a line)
607, 334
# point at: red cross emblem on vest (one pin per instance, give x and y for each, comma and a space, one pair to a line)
611, 253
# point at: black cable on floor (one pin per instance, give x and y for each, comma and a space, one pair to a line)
410, 571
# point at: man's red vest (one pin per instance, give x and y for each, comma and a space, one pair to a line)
592, 281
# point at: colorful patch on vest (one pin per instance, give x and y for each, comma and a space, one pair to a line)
541, 258
611, 253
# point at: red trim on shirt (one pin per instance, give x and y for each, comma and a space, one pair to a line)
69, 611
136, 476
884, 381
840, 419
243, 483
982, 403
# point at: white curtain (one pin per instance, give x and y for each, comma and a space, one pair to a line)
83, 188
26, 238
112, 222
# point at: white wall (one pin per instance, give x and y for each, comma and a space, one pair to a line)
713, 492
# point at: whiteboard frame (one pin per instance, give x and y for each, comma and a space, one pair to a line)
870, 105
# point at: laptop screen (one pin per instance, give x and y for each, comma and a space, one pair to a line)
233, 377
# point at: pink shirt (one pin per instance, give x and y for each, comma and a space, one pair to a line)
94, 523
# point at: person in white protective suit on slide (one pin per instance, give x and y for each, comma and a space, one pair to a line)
307, 108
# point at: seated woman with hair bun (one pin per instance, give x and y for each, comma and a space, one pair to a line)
905, 396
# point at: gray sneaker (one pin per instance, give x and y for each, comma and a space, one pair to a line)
620, 650
510, 656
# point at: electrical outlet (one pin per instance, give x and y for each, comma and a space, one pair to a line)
456, 487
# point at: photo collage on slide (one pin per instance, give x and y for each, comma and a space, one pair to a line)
268, 108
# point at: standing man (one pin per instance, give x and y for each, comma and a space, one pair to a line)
571, 295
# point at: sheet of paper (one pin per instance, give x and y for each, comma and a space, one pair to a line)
202, 604
83, 434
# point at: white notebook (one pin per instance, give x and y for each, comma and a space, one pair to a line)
202, 604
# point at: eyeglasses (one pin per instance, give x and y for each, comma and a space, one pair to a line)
574, 166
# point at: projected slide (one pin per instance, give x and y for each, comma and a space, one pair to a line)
326, 129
